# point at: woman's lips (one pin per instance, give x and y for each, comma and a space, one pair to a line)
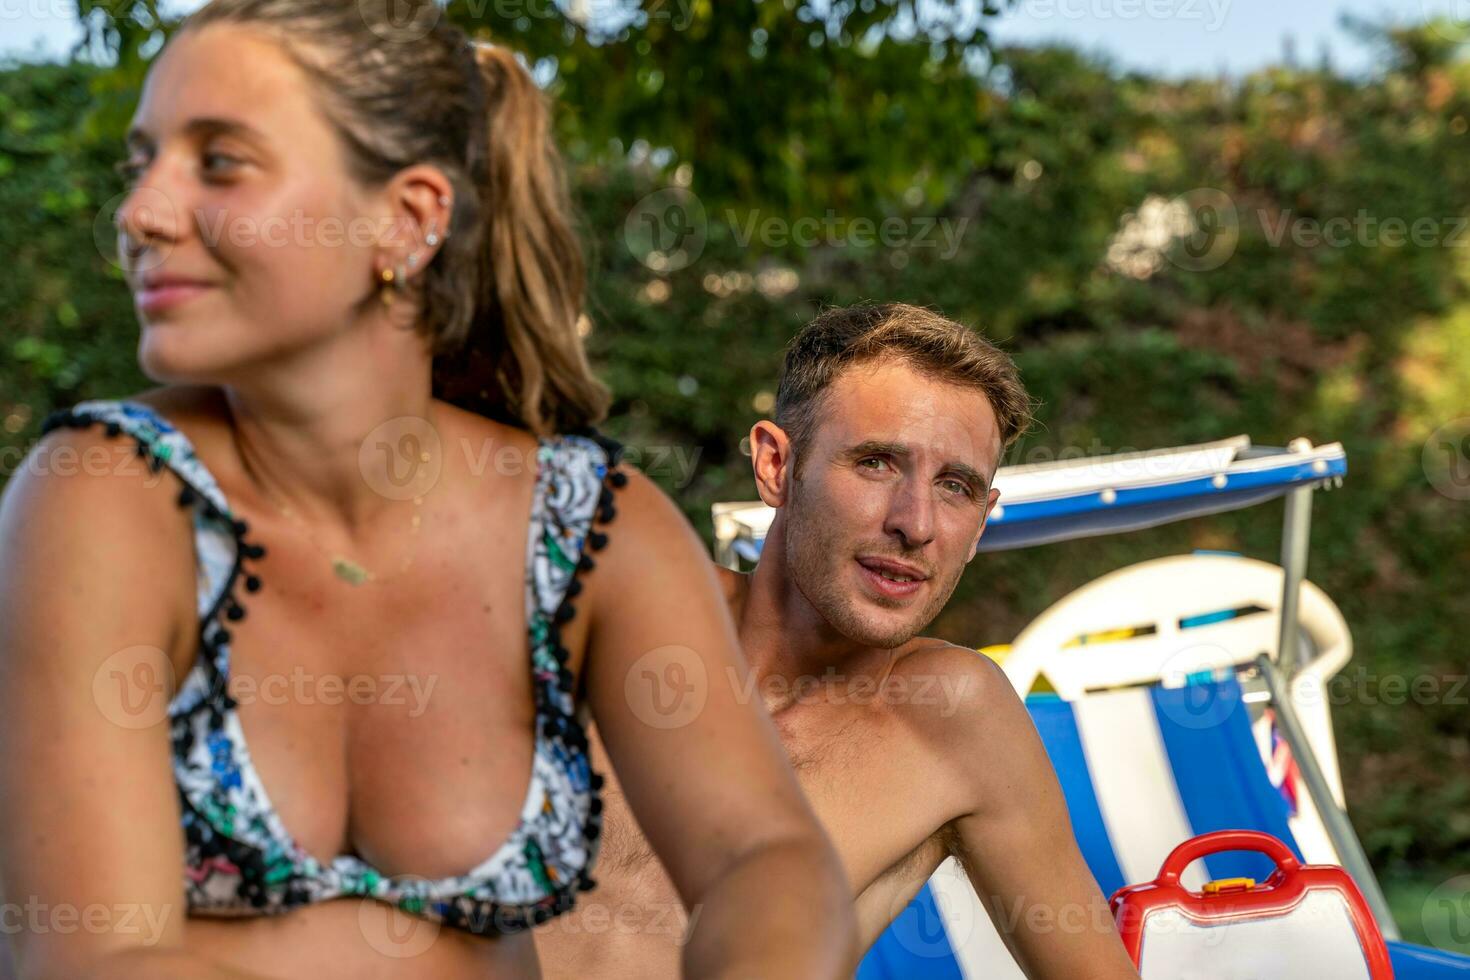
888, 587
157, 298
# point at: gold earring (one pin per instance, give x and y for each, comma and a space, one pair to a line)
385, 291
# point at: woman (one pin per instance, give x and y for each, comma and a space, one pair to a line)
360, 511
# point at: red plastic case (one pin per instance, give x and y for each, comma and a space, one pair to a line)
1237, 900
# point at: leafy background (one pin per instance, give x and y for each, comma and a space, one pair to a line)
1058, 163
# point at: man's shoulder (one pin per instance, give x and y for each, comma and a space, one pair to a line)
953, 691
733, 586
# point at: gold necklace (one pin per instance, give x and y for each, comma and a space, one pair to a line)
346, 569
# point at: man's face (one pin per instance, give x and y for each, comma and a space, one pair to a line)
895, 484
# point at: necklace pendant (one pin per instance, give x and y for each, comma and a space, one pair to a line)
350, 571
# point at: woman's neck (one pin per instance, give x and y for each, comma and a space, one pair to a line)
339, 436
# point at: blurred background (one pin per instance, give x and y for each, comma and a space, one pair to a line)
1187, 219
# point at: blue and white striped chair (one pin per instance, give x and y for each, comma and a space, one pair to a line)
1147, 766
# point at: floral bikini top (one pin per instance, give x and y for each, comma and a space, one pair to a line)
239, 858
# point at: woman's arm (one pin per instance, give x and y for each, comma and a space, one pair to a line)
96, 593
700, 761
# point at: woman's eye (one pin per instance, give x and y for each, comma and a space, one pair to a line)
131, 169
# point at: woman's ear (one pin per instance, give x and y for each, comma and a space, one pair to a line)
770, 458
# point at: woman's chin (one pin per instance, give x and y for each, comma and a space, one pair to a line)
168, 355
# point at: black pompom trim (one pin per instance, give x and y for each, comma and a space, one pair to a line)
567, 727
189, 496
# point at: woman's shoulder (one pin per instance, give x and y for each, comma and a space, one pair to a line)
185, 414
85, 502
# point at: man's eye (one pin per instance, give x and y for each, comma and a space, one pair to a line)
870, 459
129, 169
221, 156
958, 486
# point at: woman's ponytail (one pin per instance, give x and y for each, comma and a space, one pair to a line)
522, 354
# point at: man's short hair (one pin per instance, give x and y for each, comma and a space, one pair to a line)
931, 344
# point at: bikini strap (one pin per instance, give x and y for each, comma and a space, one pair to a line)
575, 481
220, 545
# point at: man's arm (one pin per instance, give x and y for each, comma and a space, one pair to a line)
1014, 837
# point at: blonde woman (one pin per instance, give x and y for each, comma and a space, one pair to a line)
367, 558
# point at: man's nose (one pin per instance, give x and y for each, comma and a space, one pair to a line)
911, 514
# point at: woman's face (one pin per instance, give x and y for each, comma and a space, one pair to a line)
240, 186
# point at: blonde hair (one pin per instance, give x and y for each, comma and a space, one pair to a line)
502, 299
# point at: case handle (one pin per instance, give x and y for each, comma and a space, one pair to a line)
1225, 840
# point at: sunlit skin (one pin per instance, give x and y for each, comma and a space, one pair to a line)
278, 372
945, 761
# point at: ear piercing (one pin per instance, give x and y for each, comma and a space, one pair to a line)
393, 279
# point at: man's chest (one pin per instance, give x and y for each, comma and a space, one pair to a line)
878, 793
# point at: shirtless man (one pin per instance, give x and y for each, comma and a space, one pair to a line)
890, 422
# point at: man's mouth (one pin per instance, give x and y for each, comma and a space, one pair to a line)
892, 578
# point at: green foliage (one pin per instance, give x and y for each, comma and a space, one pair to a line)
1040, 160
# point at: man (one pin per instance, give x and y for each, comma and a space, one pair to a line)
890, 423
